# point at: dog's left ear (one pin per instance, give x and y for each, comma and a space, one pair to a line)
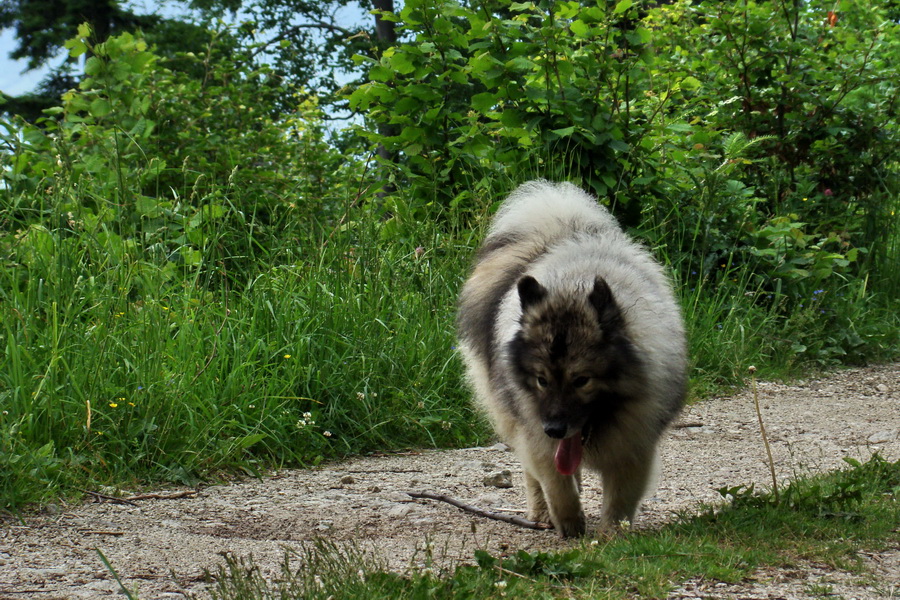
601, 298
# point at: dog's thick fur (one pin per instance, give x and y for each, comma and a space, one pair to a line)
575, 347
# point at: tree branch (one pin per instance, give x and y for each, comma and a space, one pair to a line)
291, 31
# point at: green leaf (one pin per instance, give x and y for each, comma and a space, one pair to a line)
381, 73
402, 63
92, 66
250, 440
213, 211
690, 83
100, 107
623, 6
511, 118
147, 206
360, 59
609, 180
580, 28
564, 132
76, 47
484, 102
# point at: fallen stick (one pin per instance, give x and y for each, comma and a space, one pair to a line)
482, 512
131, 499
172, 496
100, 497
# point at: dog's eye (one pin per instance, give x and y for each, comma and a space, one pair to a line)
580, 382
541, 381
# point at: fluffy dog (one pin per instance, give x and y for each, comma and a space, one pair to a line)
575, 348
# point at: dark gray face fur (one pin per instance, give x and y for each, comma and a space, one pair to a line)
570, 355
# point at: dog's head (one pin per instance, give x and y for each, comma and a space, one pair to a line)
570, 355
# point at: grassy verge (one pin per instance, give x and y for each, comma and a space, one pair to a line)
126, 369
827, 519
121, 366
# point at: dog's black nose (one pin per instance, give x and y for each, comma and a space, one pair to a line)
556, 429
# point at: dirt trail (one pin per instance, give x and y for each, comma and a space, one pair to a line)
162, 546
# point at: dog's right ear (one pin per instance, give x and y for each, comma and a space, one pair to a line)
530, 291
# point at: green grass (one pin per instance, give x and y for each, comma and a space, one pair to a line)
121, 364
825, 519
124, 369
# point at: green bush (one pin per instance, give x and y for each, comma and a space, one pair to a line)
760, 134
186, 170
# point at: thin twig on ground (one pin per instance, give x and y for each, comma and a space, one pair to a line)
172, 496
100, 497
482, 512
132, 499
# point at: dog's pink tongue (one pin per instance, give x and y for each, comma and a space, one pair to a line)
568, 455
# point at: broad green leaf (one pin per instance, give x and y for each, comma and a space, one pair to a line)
76, 47
402, 63
100, 107
213, 211
690, 83
484, 102
381, 73
92, 66
147, 206
563, 132
622, 6
580, 28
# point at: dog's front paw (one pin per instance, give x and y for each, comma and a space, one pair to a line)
571, 525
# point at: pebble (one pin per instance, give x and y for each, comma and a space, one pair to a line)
398, 512
882, 437
500, 479
325, 526
103, 586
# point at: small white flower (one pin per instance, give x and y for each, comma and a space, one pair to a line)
326, 433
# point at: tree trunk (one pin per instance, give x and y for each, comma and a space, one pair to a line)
385, 36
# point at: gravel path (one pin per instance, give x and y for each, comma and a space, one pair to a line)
162, 546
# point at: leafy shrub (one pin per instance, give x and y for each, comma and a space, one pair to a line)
189, 170
814, 81
712, 127
498, 89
